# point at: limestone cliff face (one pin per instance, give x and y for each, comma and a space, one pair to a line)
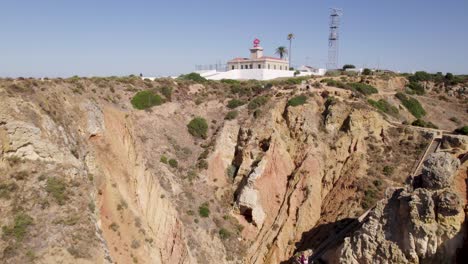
113, 208
292, 159
413, 226
93, 174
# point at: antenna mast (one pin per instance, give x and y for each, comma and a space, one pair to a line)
333, 38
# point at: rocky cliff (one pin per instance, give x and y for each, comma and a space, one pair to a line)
421, 225
87, 178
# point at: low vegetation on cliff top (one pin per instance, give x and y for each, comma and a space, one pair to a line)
146, 99
412, 104
198, 127
297, 100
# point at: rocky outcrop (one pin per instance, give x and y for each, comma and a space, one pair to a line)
420, 226
438, 170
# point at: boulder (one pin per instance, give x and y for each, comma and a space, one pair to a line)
448, 203
438, 170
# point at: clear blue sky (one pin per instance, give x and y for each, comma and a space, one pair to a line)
115, 37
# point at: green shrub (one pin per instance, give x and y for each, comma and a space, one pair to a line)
192, 175
224, 233
462, 130
198, 127
369, 199
163, 159
348, 66
416, 87
230, 81
173, 163
364, 88
388, 170
202, 164
234, 103
421, 123
420, 76
146, 99
294, 81
167, 92
57, 188
18, 229
297, 100
335, 83
366, 71
413, 105
384, 106
330, 101
231, 115
193, 77
7, 188
203, 210
257, 102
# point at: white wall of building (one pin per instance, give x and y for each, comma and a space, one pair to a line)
255, 74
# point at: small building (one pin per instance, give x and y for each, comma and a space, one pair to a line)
357, 70
311, 70
258, 61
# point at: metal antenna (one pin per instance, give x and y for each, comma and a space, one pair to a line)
333, 38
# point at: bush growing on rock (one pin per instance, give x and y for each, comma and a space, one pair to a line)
297, 100
193, 77
416, 87
384, 106
335, 83
234, 103
163, 159
57, 188
364, 88
203, 210
173, 163
388, 170
257, 102
202, 164
366, 71
369, 199
7, 188
413, 105
224, 233
230, 81
231, 115
167, 92
19, 227
146, 99
198, 127
462, 130
421, 123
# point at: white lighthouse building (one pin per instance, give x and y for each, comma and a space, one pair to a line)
256, 67
258, 61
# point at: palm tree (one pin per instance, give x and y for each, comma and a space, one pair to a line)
290, 38
281, 51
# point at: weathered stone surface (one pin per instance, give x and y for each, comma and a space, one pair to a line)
438, 170
411, 226
95, 118
448, 203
